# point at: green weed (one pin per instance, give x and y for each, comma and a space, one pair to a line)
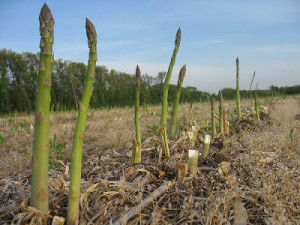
2, 139
57, 152
152, 130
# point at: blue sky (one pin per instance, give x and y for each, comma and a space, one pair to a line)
264, 34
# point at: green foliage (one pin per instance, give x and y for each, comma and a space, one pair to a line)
184, 122
2, 139
292, 133
22, 125
57, 152
152, 130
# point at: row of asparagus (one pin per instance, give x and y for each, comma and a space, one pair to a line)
40, 156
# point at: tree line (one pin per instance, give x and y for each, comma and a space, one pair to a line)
18, 74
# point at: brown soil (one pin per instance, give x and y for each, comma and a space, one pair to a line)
254, 179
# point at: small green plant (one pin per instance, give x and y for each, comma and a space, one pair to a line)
107, 123
22, 125
152, 130
57, 152
292, 133
2, 139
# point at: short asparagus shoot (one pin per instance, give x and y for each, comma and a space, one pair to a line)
192, 161
182, 169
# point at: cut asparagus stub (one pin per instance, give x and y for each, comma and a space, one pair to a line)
192, 161
207, 139
191, 135
194, 128
193, 153
206, 145
182, 169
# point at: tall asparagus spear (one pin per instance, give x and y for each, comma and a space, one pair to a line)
75, 175
250, 91
136, 152
213, 123
256, 106
40, 156
238, 89
176, 101
221, 114
164, 110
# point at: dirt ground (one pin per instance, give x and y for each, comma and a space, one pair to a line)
252, 176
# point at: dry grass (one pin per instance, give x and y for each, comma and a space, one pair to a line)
257, 183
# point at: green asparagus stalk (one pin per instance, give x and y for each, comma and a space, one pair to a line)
250, 93
75, 175
256, 106
136, 152
221, 114
224, 121
213, 124
191, 116
238, 89
205, 148
41, 143
163, 121
176, 101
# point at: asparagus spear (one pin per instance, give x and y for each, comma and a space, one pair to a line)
163, 121
136, 152
40, 156
176, 101
256, 106
221, 126
238, 89
75, 175
213, 124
